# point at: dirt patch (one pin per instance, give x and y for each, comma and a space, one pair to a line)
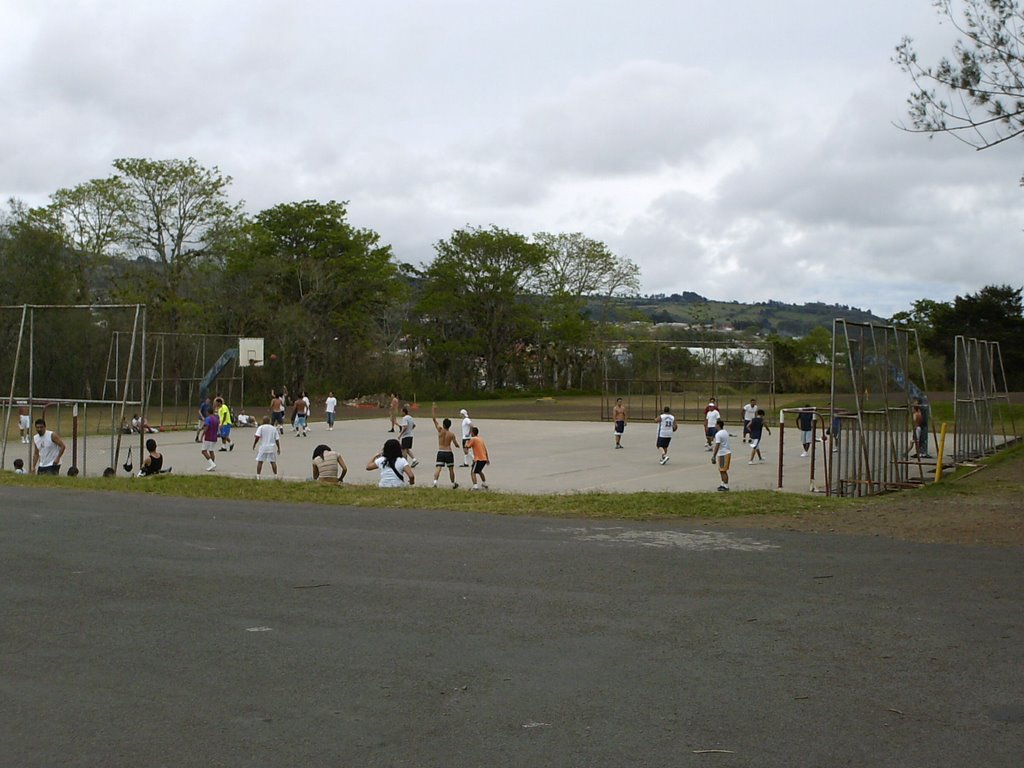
986, 507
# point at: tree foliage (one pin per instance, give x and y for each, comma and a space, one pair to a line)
574, 269
995, 313
315, 287
36, 267
475, 314
158, 216
977, 93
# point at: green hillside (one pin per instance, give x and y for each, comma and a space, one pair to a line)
763, 317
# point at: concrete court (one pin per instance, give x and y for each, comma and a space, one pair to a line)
201, 633
526, 456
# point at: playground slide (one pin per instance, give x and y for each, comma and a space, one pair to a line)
215, 370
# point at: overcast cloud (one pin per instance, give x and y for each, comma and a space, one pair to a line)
742, 150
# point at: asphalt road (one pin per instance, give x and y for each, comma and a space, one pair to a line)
227, 634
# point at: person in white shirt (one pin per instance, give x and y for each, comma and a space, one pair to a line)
666, 426
467, 433
711, 416
722, 454
749, 412
47, 450
407, 425
268, 439
329, 405
395, 472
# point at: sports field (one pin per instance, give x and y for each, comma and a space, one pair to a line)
526, 456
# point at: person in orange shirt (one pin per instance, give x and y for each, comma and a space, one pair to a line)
480, 460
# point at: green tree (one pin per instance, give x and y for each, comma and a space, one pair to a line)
319, 290
977, 93
575, 269
36, 267
992, 314
89, 220
169, 209
475, 318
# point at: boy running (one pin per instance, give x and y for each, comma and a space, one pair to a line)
666, 426
445, 447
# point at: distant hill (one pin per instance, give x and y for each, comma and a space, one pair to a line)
763, 318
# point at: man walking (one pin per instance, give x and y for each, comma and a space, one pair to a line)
711, 417
329, 405
224, 415
211, 431
407, 425
722, 454
269, 441
666, 426
619, 417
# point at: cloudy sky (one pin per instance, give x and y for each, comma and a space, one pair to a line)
743, 150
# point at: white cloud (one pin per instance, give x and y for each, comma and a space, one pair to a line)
742, 150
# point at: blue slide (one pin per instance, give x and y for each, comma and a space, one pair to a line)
214, 372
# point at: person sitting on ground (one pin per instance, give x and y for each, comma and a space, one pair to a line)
394, 469
153, 464
243, 419
328, 466
140, 424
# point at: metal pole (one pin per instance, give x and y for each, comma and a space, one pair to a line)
10, 398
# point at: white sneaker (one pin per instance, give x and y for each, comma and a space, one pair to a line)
434, 484
663, 460
484, 486
211, 467
751, 462
803, 455
415, 462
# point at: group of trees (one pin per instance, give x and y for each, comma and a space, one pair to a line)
995, 313
493, 309
976, 95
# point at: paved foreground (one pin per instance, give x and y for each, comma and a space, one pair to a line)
229, 634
